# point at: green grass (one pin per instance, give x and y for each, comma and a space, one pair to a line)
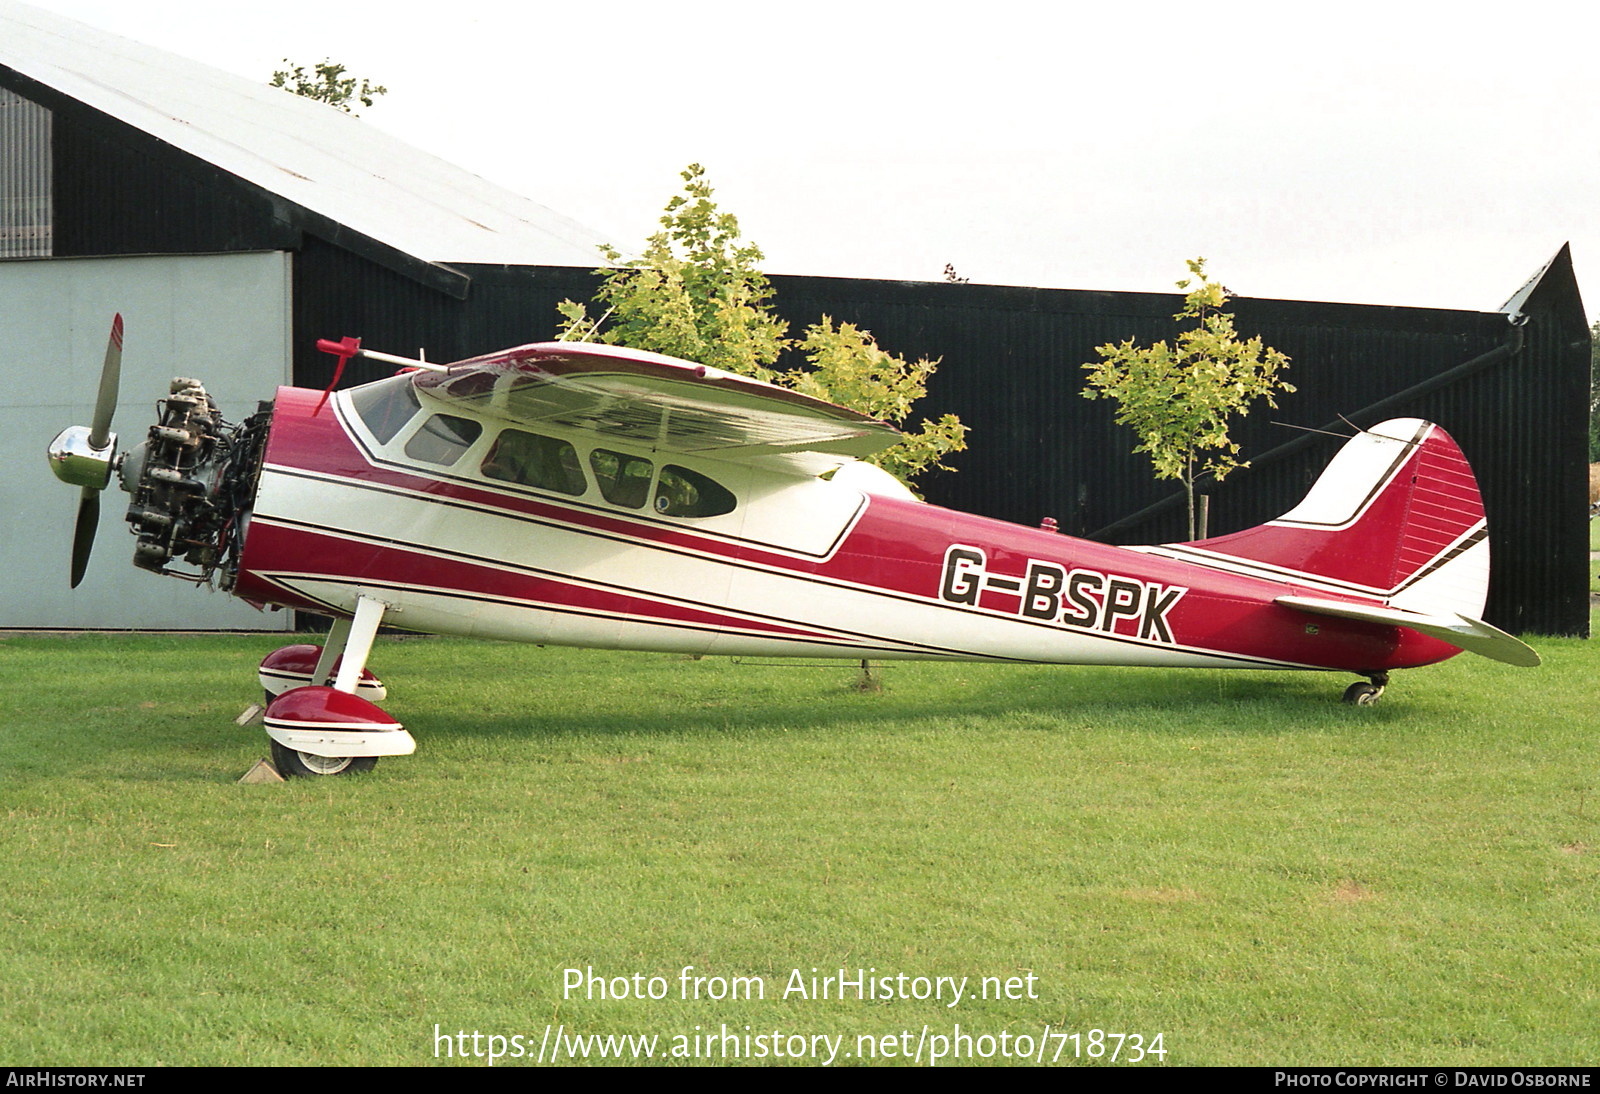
1236, 861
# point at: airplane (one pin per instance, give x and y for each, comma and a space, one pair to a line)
581, 494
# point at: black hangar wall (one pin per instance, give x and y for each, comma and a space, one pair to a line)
1514, 394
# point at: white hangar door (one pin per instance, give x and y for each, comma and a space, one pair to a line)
224, 319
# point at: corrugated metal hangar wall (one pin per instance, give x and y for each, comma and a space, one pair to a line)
1514, 395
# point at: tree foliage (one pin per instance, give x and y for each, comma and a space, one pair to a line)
327, 82
697, 292
847, 367
1180, 397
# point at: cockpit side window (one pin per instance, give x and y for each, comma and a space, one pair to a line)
386, 406
543, 462
624, 480
442, 439
685, 493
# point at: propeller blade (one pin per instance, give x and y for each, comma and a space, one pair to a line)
105, 404
83, 533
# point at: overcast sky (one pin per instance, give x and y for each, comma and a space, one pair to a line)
1389, 153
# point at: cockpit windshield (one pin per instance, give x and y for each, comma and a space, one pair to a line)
386, 406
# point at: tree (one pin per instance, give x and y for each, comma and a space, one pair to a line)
327, 83
697, 293
1180, 397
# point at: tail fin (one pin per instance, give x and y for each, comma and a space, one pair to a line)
1396, 516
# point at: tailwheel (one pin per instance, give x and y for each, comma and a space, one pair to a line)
291, 763
1364, 693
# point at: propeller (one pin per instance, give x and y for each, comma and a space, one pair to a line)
83, 532
83, 457
105, 404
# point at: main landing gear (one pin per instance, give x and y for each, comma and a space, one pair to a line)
1364, 694
318, 729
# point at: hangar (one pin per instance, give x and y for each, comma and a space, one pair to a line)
1510, 385
221, 218
234, 224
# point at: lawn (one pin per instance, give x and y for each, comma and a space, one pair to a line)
1235, 862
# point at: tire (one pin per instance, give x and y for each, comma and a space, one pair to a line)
1362, 695
292, 764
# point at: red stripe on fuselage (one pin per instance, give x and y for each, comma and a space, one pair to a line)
321, 556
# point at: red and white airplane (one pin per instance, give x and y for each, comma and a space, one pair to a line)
584, 495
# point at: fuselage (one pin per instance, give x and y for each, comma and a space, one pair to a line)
600, 542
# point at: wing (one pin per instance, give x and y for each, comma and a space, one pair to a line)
648, 398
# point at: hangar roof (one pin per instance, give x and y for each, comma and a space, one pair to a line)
308, 153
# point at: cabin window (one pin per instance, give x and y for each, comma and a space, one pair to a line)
442, 439
386, 406
685, 493
624, 480
532, 460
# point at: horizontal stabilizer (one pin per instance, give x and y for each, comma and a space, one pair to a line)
1463, 631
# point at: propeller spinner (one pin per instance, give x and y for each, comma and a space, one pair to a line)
83, 456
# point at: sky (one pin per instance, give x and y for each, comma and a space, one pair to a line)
1403, 153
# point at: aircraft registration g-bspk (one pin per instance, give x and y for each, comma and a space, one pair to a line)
585, 495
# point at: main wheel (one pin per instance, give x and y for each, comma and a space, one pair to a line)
292, 764
1362, 694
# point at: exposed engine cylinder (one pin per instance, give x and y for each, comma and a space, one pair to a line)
192, 482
